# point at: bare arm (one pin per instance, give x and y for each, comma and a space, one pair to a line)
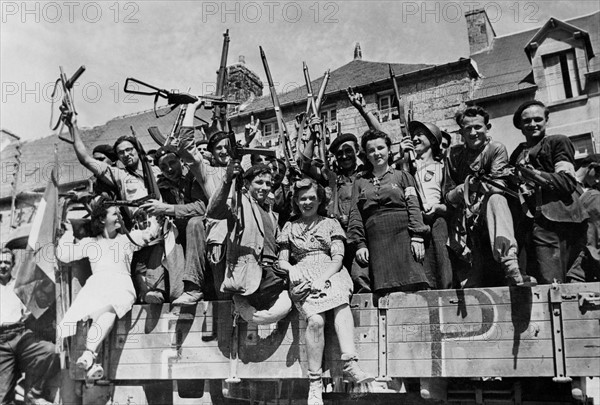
357, 100
96, 167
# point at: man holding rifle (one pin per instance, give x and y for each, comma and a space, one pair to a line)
482, 217
546, 163
129, 179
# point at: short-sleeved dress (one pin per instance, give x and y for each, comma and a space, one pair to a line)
110, 284
310, 248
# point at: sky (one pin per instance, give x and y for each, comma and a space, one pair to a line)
177, 44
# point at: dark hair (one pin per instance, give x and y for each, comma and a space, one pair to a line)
126, 138
517, 115
98, 218
6, 250
215, 139
307, 183
163, 151
107, 151
472, 111
257, 170
371, 135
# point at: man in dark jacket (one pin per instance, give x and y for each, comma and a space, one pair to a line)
555, 233
185, 202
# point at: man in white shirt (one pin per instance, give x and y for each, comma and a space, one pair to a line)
21, 351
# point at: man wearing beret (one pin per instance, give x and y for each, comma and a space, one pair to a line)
554, 234
184, 201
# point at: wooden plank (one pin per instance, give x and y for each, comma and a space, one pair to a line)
586, 348
582, 367
469, 332
571, 311
453, 349
152, 356
542, 367
519, 297
586, 328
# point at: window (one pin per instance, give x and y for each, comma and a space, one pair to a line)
269, 130
562, 77
584, 145
385, 108
329, 117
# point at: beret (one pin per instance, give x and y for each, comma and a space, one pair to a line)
216, 138
164, 150
106, 150
523, 107
343, 138
255, 170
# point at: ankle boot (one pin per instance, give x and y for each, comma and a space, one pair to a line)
315, 391
353, 372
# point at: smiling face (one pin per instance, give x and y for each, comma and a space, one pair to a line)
377, 152
308, 201
474, 131
346, 156
112, 221
533, 122
127, 154
6, 265
170, 166
260, 187
221, 152
421, 141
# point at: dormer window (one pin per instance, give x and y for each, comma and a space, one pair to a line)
562, 76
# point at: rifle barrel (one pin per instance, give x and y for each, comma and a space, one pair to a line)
69, 84
322, 89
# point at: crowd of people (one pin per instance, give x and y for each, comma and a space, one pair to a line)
310, 232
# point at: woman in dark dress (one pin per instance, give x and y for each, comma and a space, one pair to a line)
385, 221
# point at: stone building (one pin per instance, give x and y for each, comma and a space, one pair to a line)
555, 63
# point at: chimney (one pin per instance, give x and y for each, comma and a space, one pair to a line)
479, 29
242, 59
357, 52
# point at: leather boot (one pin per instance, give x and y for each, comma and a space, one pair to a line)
353, 372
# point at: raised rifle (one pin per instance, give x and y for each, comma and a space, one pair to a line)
220, 110
315, 110
162, 140
410, 160
68, 105
284, 138
174, 98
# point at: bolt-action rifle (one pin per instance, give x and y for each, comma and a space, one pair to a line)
410, 162
284, 138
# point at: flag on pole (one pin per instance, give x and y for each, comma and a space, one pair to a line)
35, 276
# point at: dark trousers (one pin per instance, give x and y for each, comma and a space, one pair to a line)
195, 270
437, 260
149, 272
21, 351
556, 245
359, 274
